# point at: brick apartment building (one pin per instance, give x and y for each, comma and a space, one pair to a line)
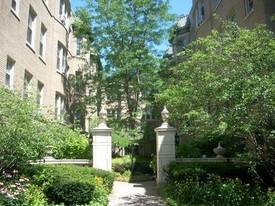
39, 52
201, 19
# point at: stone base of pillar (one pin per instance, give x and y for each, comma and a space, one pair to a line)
102, 148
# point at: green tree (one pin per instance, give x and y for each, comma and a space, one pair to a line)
225, 86
125, 35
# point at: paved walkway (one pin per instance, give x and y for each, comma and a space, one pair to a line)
137, 194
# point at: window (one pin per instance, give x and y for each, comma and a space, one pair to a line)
15, 6
249, 7
59, 107
42, 48
62, 11
78, 45
9, 72
78, 80
27, 85
148, 115
40, 88
61, 58
200, 15
231, 16
31, 27
184, 42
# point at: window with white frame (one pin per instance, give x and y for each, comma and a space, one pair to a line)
9, 72
62, 11
27, 85
31, 26
40, 90
249, 6
59, 107
61, 58
200, 13
15, 6
42, 47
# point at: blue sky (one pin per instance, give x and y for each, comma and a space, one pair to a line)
179, 7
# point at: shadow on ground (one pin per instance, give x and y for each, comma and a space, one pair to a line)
138, 194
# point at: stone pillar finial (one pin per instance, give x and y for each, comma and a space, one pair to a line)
165, 115
102, 117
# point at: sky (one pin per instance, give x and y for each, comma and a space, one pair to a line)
179, 7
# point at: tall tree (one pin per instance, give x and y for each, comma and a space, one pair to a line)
225, 85
126, 33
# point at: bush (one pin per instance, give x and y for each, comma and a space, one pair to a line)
204, 146
108, 178
17, 190
67, 143
70, 192
89, 185
208, 184
20, 131
35, 196
179, 171
29, 132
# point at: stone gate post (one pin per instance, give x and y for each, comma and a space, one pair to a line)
165, 137
102, 144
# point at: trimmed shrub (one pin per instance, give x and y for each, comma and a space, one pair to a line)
71, 184
70, 192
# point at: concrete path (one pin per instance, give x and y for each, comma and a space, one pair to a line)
137, 194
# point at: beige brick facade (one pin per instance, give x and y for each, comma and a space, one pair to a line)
201, 19
247, 13
54, 18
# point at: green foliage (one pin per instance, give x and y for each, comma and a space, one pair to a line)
225, 86
204, 146
29, 132
35, 196
226, 79
121, 138
215, 192
13, 190
72, 184
178, 172
82, 24
271, 197
141, 169
67, 142
70, 192
201, 184
131, 63
20, 131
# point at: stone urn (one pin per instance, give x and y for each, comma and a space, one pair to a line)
219, 151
